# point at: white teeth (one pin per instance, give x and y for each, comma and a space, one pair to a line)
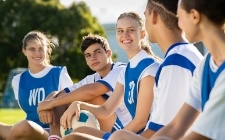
126, 41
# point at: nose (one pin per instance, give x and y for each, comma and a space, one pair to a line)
93, 57
126, 33
37, 52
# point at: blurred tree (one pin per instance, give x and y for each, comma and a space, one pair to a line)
68, 24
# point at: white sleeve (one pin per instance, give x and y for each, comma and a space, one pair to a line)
121, 77
87, 80
193, 98
173, 85
111, 78
15, 85
211, 122
64, 79
150, 70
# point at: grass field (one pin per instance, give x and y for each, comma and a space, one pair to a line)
11, 116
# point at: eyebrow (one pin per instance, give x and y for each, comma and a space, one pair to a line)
126, 28
93, 51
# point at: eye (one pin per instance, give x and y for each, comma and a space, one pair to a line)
119, 31
41, 50
87, 55
31, 49
132, 30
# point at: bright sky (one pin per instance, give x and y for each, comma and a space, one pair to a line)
107, 11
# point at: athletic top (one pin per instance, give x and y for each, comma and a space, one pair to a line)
30, 89
110, 81
140, 66
207, 95
172, 82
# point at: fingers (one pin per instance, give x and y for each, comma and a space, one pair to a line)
46, 117
78, 112
69, 121
66, 119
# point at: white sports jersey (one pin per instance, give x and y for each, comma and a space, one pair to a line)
149, 70
211, 122
172, 83
110, 81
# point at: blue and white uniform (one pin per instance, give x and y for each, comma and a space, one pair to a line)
172, 83
140, 66
110, 81
30, 89
207, 95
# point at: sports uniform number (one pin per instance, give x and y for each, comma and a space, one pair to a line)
131, 92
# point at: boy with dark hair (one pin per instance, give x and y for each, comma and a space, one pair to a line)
95, 88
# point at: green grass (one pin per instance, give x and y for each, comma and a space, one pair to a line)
11, 116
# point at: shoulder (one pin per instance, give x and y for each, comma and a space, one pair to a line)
16, 78
119, 65
59, 69
190, 52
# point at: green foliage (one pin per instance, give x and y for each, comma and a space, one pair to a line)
69, 25
11, 116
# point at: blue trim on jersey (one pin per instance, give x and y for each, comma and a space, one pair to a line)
154, 126
106, 136
105, 96
132, 77
67, 90
178, 60
208, 79
173, 46
117, 125
34, 90
122, 64
112, 66
106, 84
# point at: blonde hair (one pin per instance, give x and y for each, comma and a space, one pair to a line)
143, 43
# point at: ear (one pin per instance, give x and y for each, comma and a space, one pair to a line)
195, 16
109, 53
223, 28
24, 51
143, 34
154, 16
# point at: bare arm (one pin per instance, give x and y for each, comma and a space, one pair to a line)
144, 103
84, 93
195, 136
101, 112
55, 94
180, 124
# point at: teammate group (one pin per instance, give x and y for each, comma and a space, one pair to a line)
181, 96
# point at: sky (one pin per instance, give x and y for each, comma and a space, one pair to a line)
107, 11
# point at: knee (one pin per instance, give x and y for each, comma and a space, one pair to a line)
118, 135
69, 137
21, 129
81, 129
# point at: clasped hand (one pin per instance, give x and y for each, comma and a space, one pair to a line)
66, 119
